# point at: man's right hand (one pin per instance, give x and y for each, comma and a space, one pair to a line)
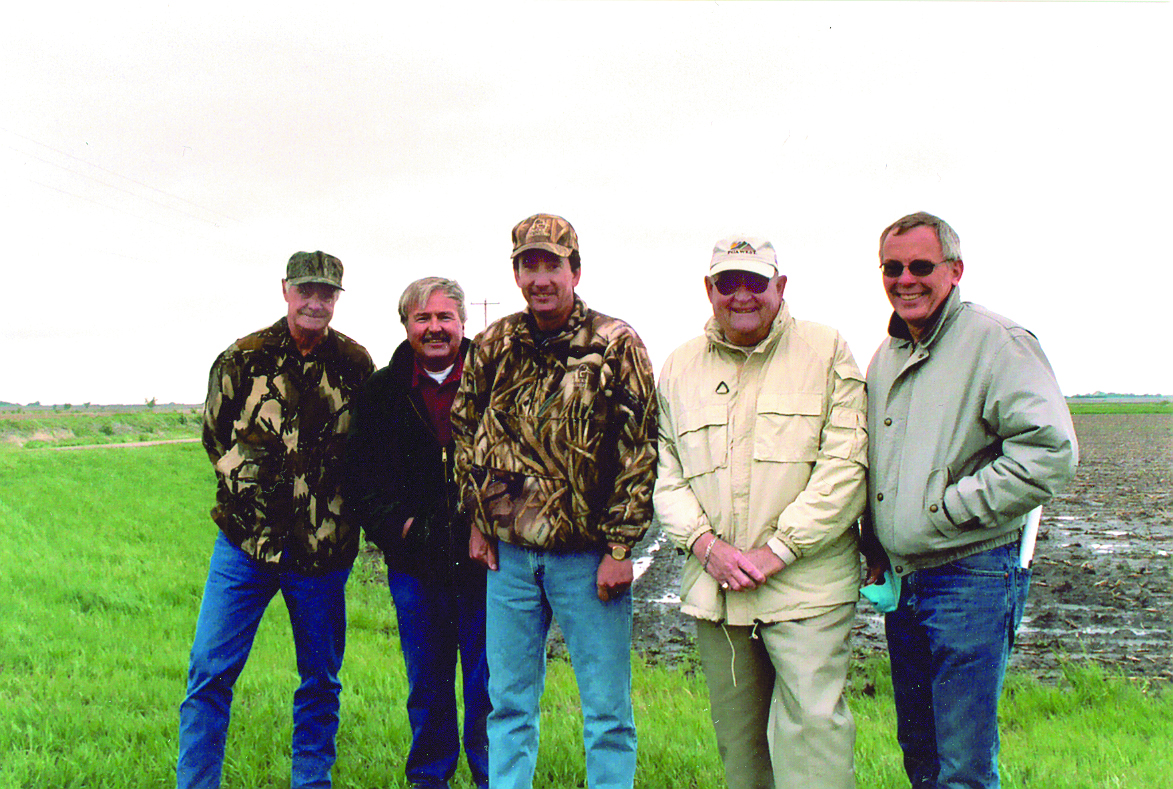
481, 549
732, 569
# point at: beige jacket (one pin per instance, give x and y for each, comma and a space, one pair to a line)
765, 445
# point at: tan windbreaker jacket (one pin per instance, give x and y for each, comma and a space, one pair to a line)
766, 444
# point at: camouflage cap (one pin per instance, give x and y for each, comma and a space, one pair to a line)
545, 231
744, 253
314, 267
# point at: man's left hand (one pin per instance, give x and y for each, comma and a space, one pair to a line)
614, 577
765, 560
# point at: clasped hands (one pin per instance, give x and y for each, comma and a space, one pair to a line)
734, 569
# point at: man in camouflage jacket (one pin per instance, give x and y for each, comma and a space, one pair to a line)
275, 424
556, 448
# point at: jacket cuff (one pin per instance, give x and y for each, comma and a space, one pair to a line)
702, 528
779, 549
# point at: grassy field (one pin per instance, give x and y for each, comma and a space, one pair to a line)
103, 567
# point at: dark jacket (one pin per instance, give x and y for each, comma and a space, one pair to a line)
397, 469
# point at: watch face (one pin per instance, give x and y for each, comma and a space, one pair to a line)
620, 552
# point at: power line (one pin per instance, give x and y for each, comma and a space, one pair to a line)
117, 175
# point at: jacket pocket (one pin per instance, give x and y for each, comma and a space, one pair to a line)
934, 502
703, 443
788, 427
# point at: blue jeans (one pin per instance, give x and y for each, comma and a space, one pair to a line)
529, 588
237, 592
436, 622
949, 640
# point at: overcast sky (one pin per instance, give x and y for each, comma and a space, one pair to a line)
161, 163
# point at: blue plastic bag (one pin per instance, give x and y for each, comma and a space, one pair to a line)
885, 594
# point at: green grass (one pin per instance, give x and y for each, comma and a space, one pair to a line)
104, 559
1154, 407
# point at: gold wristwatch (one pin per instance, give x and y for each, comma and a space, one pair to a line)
620, 552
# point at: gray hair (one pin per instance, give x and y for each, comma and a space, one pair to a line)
946, 236
417, 294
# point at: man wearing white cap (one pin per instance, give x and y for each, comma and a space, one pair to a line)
762, 458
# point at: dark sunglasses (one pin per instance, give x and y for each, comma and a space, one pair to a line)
729, 282
917, 268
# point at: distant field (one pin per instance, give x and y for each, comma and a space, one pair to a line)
1128, 407
44, 427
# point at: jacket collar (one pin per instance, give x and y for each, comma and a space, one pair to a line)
402, 364
281, 337
781, 323
898, 329
578, 314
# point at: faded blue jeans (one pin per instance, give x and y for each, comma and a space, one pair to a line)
437, 621
949, 640
529, 588
237, 592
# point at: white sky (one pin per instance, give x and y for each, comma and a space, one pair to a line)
163, 162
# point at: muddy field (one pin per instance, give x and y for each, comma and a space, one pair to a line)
1103, 581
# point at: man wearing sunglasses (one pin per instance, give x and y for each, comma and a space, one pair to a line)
968, 432
761, 480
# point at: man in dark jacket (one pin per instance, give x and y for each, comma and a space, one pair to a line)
399, 487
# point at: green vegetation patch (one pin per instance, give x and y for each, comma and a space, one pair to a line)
1152, 407
48, 429
104, 565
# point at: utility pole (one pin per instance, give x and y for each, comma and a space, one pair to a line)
484, 304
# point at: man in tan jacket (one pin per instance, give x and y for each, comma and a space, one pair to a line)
762, 455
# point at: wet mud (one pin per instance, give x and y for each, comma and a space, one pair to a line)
1102, 586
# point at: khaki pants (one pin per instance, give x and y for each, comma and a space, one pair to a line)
776, 693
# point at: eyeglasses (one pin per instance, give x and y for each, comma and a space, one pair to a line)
917, 268
729, 282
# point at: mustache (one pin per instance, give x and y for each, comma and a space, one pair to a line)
436, 336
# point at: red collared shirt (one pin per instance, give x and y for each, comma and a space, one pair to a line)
438, 397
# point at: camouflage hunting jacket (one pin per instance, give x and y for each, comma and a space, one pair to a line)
556, 440
275, 425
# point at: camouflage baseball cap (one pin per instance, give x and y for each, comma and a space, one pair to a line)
545, 231
314, 267
744, 253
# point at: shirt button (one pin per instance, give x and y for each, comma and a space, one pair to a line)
888, 422
932, 508
899, 569
879, 497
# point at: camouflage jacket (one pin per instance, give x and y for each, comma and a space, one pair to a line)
275, 426
556, 443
